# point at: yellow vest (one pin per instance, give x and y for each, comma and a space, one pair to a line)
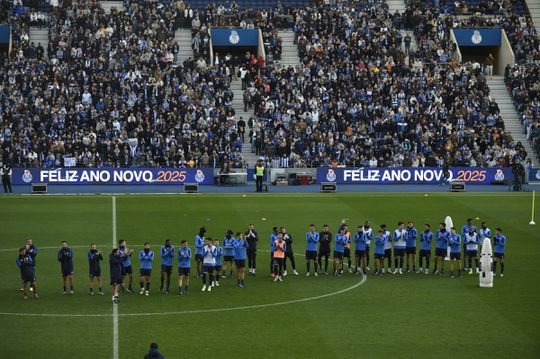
259, 171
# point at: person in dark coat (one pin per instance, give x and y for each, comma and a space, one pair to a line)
154, 352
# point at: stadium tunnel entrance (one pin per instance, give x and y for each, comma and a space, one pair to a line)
235, 41
479, 54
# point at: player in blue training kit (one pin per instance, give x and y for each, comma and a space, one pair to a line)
484, 232
441, 249
199, 244
339, 249
367, 232
65, 257
312, 239
425, 247
272, 239
94, 263
217, 267
167, 255
465, 230
228, 254
184, 266
387, 248
400, 236
360, 250
209, 261
410, 249
380, 241
32, 251
455, 251
499, 242
471, 240
125, 253
146, 257
240, 254
25, 263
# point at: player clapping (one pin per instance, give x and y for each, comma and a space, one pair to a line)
499, 242
360, 250
442, 247
94, 263
240, 247
425, 247
339, 249
146, 257
471, 240
65, 257
312, 239
380, 241
167, 255
25, 263
116, 268
184, 266
410, 249
455, 251
209, 261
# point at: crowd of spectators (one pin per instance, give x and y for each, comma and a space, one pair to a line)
111, 92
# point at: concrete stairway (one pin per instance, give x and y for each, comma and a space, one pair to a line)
534, 9
183, 39
498, 91
396, 5
238, 105
414, 45
289, 51
39, 35
107, 5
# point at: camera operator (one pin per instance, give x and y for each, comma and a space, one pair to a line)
519, 174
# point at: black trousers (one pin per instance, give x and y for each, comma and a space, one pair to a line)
259, 183
6, 182
320, 255
252, 258
289, 255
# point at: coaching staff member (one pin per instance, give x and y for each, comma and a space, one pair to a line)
6, 178
252, 237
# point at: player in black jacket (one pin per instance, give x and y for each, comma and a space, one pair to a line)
115, 266
252, 237
94, 264
325, 238
288, 252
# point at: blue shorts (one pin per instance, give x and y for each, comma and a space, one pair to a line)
499, 255
240, 263
166, 269
67, 270
338, 255
127, 270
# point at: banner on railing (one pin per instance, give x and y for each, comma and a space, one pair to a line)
93, 176
234, 37
400, 175
478, 37
534, 174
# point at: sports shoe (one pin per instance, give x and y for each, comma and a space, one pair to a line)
295, 272
408, 271
383, 271
435, 271
71, 292
477, 271
280, 279
213, 284
502, 275
217, 284
147, 293
129, 290
316, 275
64, 293
240, 285
395, 271
22, 290
325, 273
141, 292
101, 293
350, 270
276, 278
203, 288
452, 276
307, 274
427, 271
31, 289
209, 289
25, 297
376, 272
400, 271
367, 268
224, 276
181, 291
91, 293
284, 273
470, 271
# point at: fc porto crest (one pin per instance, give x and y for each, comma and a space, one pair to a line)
199, 176
234, 38
27, 176
331, 175
476, 38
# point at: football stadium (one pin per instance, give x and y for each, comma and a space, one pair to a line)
269, 179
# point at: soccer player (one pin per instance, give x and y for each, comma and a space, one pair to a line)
400, 242
380, 241
387, 248
425, 247
94, 262
347, 250
367, 232
325, 240
410, 249
465, 230
32, 251
472, 239
217, 267
279, 247
65, 257
272, 238
499, 242
289, 252
455, 251
228, 253
209, 261
252, 238
359, 250
167, 255
25, 263
441, 237
312, 238
184, 266
240, 247
146, 257
116, 268
199, 244
125, 254
339, 249
484, 232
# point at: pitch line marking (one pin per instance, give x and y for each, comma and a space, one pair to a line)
197, 311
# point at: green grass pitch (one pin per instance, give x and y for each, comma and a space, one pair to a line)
407, 316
